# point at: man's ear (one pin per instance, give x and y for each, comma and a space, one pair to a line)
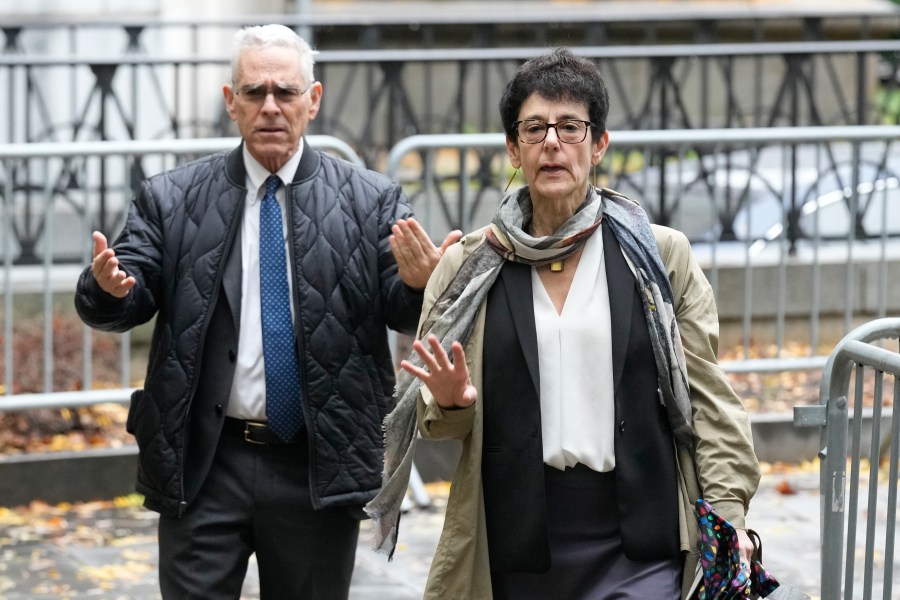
315, 96
228, 93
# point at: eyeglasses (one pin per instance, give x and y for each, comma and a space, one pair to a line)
569, 131
284, 94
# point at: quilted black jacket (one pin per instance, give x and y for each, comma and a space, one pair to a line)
180, 236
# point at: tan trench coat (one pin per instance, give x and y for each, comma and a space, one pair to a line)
726, 467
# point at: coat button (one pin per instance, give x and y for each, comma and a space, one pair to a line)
621, 425
232, 356
219, 410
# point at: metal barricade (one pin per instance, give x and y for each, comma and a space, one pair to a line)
862, 432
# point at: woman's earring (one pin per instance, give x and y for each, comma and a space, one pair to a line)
595, 176
513, 176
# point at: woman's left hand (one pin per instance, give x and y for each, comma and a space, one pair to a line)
745, 546
448, 381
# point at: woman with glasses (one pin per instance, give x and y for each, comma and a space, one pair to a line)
571, 346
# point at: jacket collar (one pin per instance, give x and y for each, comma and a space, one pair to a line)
237, 173
309, 163
234, 167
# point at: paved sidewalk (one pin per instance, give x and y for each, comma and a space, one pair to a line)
111, 553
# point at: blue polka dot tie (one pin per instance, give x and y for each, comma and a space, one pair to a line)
282, 373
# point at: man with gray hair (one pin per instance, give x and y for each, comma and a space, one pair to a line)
273, 272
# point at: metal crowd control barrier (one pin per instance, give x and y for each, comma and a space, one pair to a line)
859, 356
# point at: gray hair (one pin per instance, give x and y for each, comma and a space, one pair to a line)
267, 36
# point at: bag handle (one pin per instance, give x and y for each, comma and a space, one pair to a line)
757, 545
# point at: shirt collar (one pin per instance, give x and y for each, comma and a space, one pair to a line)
257, 174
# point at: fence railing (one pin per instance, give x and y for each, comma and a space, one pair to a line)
814, 247
859, 512
376, 97
427, 25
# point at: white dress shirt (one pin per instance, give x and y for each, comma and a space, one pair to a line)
575, 361
248, 391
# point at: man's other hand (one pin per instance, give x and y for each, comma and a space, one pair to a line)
106, 271
415, 253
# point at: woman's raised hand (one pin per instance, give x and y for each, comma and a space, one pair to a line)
448, 381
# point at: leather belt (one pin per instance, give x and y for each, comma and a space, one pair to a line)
253, 432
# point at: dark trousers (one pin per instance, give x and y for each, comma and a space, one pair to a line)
586, 554
256, 499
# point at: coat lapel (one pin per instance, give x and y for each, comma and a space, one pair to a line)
512, 466
516, 281
620, 282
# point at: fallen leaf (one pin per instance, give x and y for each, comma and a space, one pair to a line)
784, 487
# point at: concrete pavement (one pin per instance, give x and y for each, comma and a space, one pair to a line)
85, 552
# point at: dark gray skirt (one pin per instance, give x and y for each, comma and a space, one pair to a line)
587, 560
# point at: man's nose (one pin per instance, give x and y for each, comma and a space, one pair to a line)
269, 103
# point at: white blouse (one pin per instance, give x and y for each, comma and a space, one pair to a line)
575, 361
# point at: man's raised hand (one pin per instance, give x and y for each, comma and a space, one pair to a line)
106, 271
415, 253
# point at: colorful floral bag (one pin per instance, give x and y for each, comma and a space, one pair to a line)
722, 576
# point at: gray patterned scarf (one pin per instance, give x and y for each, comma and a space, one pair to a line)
452, 318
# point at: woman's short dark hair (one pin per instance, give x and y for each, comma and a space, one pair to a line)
561, 76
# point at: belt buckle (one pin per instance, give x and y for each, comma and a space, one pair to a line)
247, 429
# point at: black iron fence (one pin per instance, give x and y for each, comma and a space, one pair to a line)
375, 98
429, 25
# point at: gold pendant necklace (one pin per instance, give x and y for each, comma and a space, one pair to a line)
557, 265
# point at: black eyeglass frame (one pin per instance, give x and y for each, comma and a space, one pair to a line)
515, 129
278, 91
